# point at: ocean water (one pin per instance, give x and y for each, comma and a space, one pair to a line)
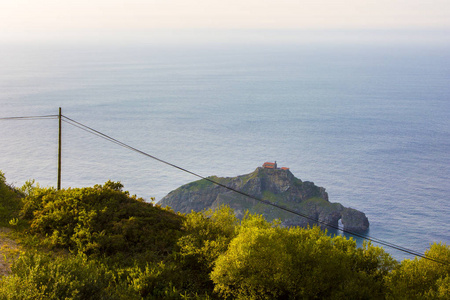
370, 123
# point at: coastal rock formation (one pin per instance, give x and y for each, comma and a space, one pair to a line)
278, 186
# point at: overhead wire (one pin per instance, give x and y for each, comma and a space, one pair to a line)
115, 141
30, 117
372, 239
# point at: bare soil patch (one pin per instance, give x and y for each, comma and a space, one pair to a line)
7, 247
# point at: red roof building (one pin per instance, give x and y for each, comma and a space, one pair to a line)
270, 165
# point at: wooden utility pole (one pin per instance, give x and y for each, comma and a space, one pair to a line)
59, 151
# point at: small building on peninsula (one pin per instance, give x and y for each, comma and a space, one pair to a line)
270, 165
273, 165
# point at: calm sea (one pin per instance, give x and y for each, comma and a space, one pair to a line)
370, 123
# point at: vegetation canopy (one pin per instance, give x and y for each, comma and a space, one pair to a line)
100, 220
101, 243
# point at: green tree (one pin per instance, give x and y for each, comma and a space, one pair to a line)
207, 235
422, 278
267, 261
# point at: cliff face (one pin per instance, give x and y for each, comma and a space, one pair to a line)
275, 185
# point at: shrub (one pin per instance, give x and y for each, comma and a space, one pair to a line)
266, 261
207, 235
40, 276
10, 202
422, 278
101, 220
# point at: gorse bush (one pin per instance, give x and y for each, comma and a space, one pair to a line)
207, 236
41, 276
160, 281
422, 278
101, 220
267, 261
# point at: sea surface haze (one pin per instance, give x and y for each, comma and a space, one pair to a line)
370, 123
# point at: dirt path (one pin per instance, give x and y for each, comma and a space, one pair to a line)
7, 246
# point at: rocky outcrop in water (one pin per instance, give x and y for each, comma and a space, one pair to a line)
278, 186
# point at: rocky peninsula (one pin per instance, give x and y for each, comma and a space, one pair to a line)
276, 185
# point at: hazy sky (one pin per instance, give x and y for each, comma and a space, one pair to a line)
42, 17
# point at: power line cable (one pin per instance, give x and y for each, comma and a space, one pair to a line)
89, 131
376, 240
30, 117
109, 138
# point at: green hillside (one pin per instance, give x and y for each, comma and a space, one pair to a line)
103, 243
277, 186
